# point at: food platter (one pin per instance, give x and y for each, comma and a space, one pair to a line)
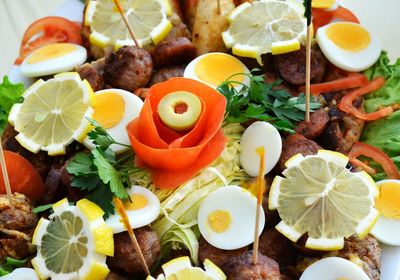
390, 267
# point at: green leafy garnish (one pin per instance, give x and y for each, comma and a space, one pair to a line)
260, 101
11, 264
100, 173
41, 208
9, 95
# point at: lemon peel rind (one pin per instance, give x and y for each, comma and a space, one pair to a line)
288, 231
273, 198
89, 12
366, 224
325, 244
336, 157
285, 46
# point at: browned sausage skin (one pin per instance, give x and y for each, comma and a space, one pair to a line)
173, 52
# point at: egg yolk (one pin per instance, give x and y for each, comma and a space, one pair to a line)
348, 36
51, 51
138, 201
388, 202
109, 109
219, 220
322, 4
216, 68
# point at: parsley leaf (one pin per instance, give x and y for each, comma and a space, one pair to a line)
9, 95
260, 101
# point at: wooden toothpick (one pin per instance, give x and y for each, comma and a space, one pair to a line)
260, 187
219, 6
121, 11
307, 4
125, 220
6, 179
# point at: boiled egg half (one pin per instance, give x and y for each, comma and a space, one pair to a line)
387, 228
215, 68
52, 59
334, 268
260, 134
113, 110
348, 45
142, 209
227, 218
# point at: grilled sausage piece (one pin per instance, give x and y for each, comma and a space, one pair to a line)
129, 68
217, 256
242, 268
125, 257
295, 144
173, 52
292, 66
318, 121
166, 73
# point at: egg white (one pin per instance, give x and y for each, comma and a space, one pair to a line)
191, 73
260, 134
241, 205
133, 106
56, 65
333, 268
137, 218
387, 230
347, 60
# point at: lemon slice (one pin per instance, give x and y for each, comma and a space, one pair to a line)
182, 269
148, 19
265, 26
53, 114
74, 243
322, 198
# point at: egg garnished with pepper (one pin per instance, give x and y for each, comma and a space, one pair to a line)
142, 208
113, 110
348, 45
227, 218
387, 228
214, 68
53, 59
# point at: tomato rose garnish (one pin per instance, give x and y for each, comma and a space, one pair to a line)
174, 157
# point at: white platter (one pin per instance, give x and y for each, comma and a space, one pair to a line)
381, 17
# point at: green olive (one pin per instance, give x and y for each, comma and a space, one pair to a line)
179, 110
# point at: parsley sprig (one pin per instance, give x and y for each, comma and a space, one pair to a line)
260, 101
101, 173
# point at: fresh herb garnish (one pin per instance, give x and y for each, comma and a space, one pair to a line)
9, 95
101, 173
42, 208
260, 101
10, 264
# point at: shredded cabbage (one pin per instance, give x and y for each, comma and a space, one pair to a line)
177, 222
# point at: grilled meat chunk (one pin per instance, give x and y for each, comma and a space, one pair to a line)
129, 68
125, 257
318, 121
173, 52
16, 230
217, 256
295, 144
93, 73
242, 268
115, 276
165, 74
292, 66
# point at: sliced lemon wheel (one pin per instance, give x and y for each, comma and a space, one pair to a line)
265, 26
148, 19
182, 269
320, 197
74, 243
53, 114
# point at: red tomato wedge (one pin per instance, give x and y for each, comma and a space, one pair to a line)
166, 151
363, 149
352, 81
322, 17
346, 104
23, 176
46, 31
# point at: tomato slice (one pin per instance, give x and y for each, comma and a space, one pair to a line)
46, 31
322, 17
351, 81
363, 149
23, 176
346, 104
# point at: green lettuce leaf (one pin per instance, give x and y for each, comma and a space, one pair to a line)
390, 93
9, 95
